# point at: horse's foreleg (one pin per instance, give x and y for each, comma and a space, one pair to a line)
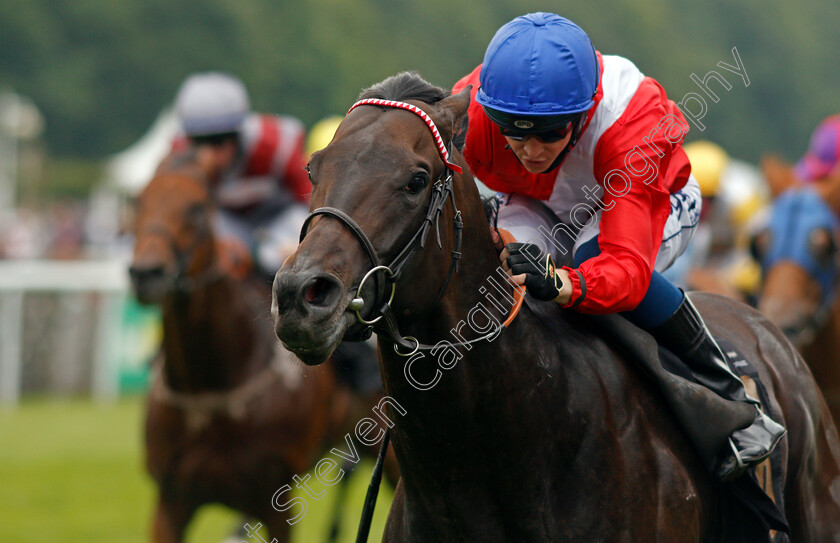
170, 520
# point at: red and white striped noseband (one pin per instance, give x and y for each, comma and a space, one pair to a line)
442, 151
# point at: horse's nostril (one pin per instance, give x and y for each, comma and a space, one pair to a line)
320, 291
313, 294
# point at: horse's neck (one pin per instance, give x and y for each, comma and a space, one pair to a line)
511, 386
211, 340
470, 383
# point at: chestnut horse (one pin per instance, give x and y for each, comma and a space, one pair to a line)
520, 434
231, 416
798, 254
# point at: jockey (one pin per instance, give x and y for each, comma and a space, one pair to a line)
255, 165
587, 153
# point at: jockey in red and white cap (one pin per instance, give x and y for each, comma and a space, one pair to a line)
587, 155
254, 162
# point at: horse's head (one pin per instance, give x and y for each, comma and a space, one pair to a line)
798, 255
174, 246
373, 188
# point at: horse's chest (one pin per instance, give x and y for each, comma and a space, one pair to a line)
219, 459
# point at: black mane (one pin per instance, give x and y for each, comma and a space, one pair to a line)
405, 86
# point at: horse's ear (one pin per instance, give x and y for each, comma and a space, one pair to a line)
779, 175
453, 109
457, 104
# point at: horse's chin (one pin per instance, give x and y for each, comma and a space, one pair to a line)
312, 350
152, 292
312, 357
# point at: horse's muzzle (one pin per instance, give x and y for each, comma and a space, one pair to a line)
307, 312
150, 283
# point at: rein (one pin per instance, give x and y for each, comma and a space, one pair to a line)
413, 345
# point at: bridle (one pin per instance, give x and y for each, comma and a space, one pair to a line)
387, 276
183, 283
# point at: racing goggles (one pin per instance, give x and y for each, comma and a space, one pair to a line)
546, 136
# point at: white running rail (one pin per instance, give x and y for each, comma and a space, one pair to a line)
109, 278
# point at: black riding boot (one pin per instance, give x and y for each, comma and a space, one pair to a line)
685, 334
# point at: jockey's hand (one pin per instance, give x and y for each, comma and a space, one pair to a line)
543, 279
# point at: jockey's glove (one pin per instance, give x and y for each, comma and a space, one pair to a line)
540, 274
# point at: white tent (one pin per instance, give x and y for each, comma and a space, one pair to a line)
128, 171
126, 174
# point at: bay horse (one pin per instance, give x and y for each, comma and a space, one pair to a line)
800, 265
509, 433
231, 416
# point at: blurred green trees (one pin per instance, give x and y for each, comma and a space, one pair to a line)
101, 71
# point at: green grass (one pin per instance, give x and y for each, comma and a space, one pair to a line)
72, 472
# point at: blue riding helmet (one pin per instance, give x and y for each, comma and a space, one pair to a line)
540, 70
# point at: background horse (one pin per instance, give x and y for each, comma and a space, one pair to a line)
231, 415
524, 435
798, 254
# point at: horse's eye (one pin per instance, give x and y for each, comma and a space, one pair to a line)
309, 173
821, 244
418, 182
760, 244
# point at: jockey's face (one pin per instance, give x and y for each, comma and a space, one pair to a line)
215, 160
535, 154
226, 154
